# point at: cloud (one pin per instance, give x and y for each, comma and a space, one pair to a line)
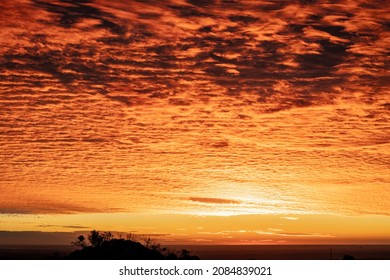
103, 101
293, 234
290, 218
214, 200
29, 206
72, 12
317, 47
66, 226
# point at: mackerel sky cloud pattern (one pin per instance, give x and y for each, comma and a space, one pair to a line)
196, 107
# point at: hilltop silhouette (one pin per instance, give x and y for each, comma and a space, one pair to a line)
103, 246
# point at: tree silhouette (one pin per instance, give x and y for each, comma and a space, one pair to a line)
103, 246
96, 238
80, 241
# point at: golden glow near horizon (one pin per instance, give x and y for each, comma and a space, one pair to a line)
232, 122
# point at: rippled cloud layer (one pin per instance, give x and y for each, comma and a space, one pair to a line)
196, 107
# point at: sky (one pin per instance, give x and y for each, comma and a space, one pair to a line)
196, 122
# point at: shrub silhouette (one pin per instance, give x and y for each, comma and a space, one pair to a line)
348, 257
103, 246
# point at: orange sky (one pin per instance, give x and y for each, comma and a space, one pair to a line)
231, 122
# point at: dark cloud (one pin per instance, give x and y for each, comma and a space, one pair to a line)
79, 10
206, 29
188, 11
307, 2
272, 5
331, 55
336, 30
149, 15
179, 102
243, 19
201, 3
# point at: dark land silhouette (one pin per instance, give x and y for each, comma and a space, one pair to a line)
138, 247
219, 252
103, 246
288, 252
